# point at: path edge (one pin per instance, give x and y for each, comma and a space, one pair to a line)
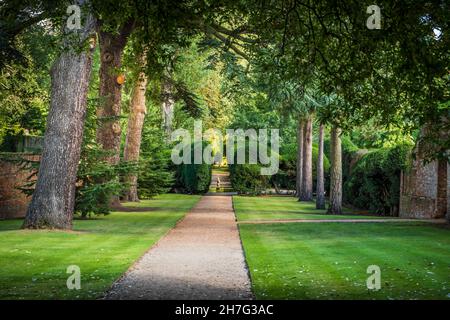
139, 259
247, 268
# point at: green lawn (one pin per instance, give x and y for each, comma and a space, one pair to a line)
330, 260
279, 208
33, 263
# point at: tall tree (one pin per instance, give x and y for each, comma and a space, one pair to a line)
320, 186
134, 131
306, 192
111, 81
335, 206
300, 129
167, 106
52, 205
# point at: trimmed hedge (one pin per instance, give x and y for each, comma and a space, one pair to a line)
193, 178
247, 179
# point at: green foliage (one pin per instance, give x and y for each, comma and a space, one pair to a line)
24, 94
194, 178
371, 136
247, 179
286, 176
98, 181
156, 173
374, 182
155, 176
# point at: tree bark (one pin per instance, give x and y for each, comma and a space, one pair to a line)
320, 190
167, 108
300, 130
335, 206
110, 90
134, 132
306, 192
53, 202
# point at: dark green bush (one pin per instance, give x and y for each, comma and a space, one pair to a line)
374, 182
155, 176
193, 178
247, 179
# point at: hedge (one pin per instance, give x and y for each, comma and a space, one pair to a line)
247, 179
193, 178
374, 182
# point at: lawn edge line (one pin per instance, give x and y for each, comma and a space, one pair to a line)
247, 268
139, 259
285, 221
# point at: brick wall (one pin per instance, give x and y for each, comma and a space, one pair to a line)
13, 202
448, 192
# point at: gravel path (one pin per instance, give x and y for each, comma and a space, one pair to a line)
201, 258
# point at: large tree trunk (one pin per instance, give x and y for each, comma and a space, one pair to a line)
320, 188
167, 107
111, 51
134, 132
298, 179
336, 172
306, 192
52, 205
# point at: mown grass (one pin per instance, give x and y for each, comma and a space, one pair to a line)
282, 208
33, 264
330, 260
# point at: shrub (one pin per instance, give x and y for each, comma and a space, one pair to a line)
156, 170
98, 181
247, 179
374, 182
193, 178
154, 177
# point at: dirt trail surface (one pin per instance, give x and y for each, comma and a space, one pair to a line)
201, 258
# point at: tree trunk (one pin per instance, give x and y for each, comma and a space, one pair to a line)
306, 192
109, 111
53, 202
336, 172
134, 132
300, 129
167, 108
320, 190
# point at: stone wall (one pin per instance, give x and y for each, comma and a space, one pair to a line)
13, 202
424, 190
